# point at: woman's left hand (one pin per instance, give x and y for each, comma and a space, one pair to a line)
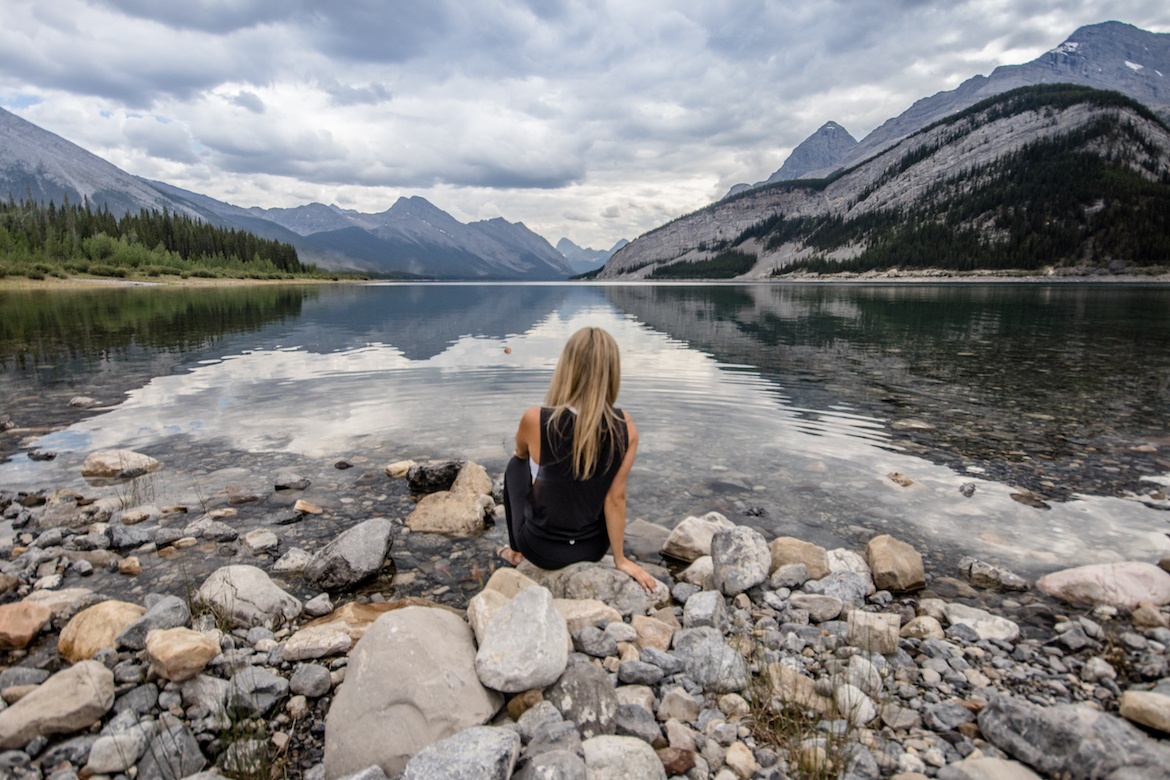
640, 575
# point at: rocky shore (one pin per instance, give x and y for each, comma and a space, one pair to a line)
399, 649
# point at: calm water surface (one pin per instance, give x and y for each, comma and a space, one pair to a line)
783, 406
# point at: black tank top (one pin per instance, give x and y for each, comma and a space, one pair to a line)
568, 510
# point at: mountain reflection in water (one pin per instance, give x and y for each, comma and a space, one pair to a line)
771, 403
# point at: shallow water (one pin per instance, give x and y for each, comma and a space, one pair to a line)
774, 404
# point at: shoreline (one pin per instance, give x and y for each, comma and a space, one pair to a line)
20, 283
934, 647
12, 283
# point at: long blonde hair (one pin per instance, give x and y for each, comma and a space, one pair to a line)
587, 378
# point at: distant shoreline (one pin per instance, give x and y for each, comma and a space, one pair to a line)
83, 283
15, 283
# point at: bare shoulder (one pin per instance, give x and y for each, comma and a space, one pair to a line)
632, 430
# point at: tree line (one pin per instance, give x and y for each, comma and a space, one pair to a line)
48, 239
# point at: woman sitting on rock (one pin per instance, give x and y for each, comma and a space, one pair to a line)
565, 487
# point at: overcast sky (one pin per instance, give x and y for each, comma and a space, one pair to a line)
592, 120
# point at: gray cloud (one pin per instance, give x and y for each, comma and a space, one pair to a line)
250, 101
591, 120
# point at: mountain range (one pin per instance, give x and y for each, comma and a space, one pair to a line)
585, 260
1020, 169
413, 238
1110, 55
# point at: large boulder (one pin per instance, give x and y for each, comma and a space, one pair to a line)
896, 566
247, 597
459, 511
525, 645
410, 682
1125, 584
96, 628
68, 701
1071, 740
354, 555
118, 464
740, 559
691, 538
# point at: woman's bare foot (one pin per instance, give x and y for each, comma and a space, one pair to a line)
510, 556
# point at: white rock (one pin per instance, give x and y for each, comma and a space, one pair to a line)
852, 703
621, 758
691, 538
410, 682
1127, 584
985, 624
261, 540
246, 596
740, 559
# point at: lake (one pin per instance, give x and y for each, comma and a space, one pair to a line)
1030, 420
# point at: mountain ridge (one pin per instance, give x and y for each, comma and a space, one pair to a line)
1099, 55
904, 198
412, 238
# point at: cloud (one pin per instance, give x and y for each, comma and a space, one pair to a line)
596, 121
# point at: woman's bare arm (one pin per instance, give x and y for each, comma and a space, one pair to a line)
528, 435
615, 514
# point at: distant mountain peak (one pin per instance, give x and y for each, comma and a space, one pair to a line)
586, 259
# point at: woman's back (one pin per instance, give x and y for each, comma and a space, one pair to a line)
566, 509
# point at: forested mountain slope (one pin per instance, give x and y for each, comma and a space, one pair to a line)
1050, 176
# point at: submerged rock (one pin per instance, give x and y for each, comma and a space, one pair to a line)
118, 464
354, 555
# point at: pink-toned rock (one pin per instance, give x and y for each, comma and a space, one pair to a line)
1127, 584
96, 628
66, 602
691, 538
509, 582
118, 464
652, 632
340, 630
21, 622
787, 549
178, 654
459, 511
582, 613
